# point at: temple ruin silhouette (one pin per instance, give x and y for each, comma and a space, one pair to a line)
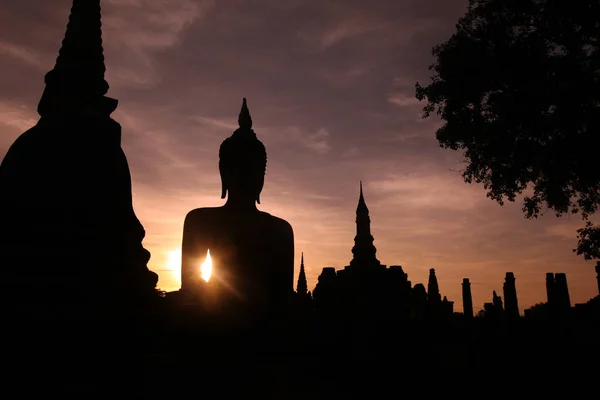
68, 226
368, 289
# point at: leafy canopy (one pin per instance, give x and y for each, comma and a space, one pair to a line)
518, 89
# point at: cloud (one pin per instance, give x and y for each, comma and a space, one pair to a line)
314, 141
347, 30
352, 152
426, 190
15, 118
566, 230
229, 125
403, 100
136, 31
21, 53
20, 116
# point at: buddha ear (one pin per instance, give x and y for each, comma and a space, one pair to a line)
223, 189
262, 184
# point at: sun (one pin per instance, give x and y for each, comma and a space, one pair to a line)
173, 264
206, 267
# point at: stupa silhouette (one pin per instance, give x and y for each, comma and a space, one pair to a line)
68, 227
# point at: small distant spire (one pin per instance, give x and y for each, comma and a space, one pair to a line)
302, 286
362, 205
244, 120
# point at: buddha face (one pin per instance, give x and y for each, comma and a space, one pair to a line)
242, 167
243, 162
243, 183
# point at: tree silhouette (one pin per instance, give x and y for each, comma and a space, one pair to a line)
518, 89
589, 241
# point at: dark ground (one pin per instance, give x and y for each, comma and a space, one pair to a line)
173, 354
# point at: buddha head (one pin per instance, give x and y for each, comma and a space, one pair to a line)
243, 161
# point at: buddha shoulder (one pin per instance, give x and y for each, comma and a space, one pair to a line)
278, 223
203, 214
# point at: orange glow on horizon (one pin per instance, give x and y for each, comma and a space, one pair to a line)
173, 265
206, 267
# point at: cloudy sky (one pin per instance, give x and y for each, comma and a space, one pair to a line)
330, 86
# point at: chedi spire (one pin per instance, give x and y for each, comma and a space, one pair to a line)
77, 80
364, 251
69, 232
302, 286
362, 205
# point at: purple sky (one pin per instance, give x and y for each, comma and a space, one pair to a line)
330, 86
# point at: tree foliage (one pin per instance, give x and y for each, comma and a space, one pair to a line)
589, 241
518, 89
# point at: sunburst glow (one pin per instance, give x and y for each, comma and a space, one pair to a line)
206, 267
173, 263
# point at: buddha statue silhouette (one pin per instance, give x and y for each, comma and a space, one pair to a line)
252, 251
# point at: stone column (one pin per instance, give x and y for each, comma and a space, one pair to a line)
562, 291
467, 298
433, 290
511, 304
550, 289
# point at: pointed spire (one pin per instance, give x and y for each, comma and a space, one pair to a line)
363, 251
79, 71
362, 205
302, 286
244, 120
